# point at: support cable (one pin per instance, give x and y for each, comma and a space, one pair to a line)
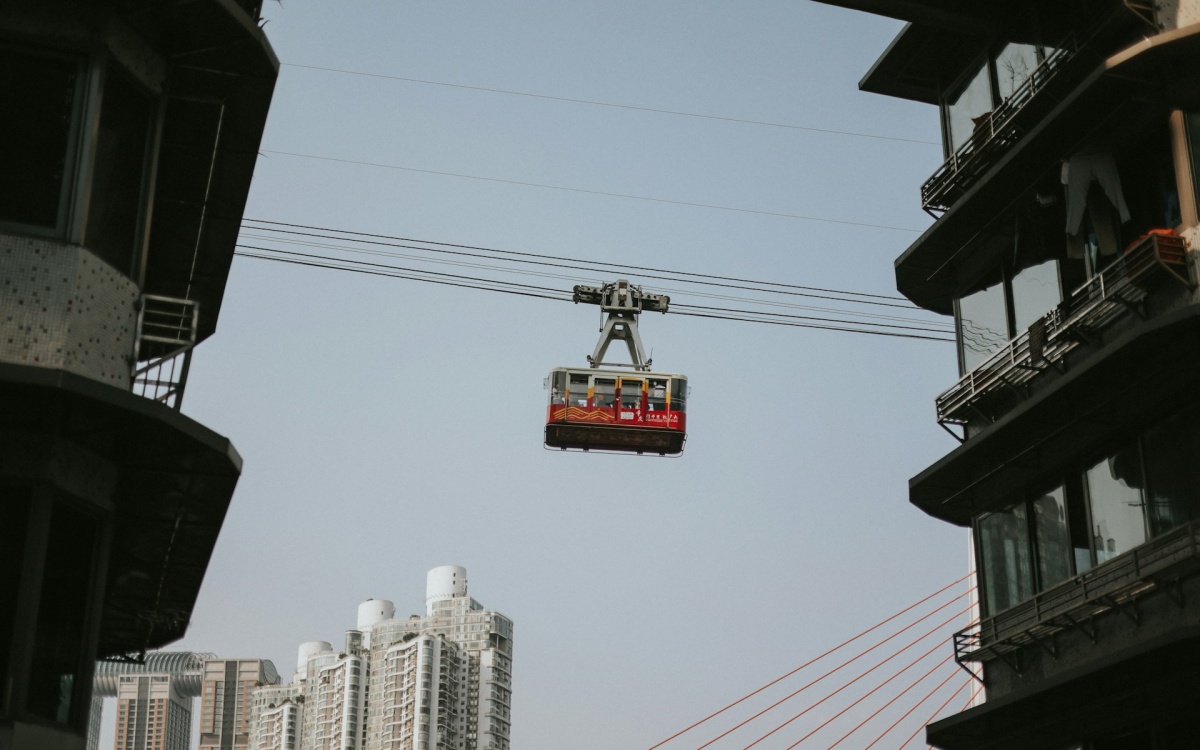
934, 631
877, 688
920, 703
542, 259
814, 660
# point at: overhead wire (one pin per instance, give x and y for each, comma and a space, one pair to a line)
614, 105
924, 327
743, 316
589, 191
543, 257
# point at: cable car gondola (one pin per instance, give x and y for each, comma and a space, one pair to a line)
630, 410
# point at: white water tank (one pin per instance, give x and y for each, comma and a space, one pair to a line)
444, 582
374, 611
309, 649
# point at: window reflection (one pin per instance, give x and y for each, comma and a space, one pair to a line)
1035, 292
1052, 538
1004, 550
963, 113
1117, 521
1172, 471
982, 325
1014, 65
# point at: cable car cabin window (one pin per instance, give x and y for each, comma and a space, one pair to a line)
558, 387
679, 394
605, 393
578, 390
631, 394
656, 397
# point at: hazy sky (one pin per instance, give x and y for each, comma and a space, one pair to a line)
389, 427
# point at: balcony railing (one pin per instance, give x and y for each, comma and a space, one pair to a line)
166, 334
1095, 305
993, 136
1113, 585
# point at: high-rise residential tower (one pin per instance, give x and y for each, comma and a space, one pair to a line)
152, 714
225, 700
438, 681
1064, 246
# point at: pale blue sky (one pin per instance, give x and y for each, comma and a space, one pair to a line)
389, 427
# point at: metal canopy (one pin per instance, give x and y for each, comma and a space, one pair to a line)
174, 482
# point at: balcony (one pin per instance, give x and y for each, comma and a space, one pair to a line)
996, 133
1114, 293
1115, 585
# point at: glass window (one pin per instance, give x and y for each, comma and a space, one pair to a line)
982, 325
578, 385
66, 589
1052, 538
1116, 504
679, 393
656, 397
968, 108
115, 206
605, 392
558, 387
631, 394
40, 95
1035, 292
1004, 552
1172, 471
1014, 65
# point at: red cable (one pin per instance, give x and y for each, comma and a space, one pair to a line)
919, 704
938, 711
873, 690
897, 697
822, 656
843, 687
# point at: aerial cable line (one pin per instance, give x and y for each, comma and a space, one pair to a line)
931, 325
402, 276
887, 705
816, 659
587, 191
379, 269
909, 712
840, 295
614, 105
584, 269
793, 694
926, 326
618, 266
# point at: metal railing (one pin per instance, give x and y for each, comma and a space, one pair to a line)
993, 136
1104, 298
162, 350
1109, 586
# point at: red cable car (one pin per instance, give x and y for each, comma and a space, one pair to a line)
634, 410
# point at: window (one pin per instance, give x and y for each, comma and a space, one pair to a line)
1004, 550
1115, 500
997, 78
1010, 298
42, 96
